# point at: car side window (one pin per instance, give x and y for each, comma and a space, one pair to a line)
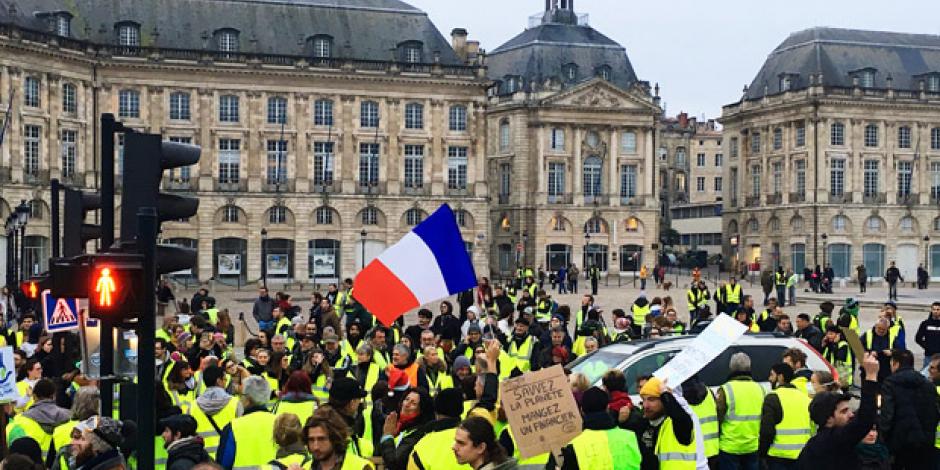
762, 358
646, 366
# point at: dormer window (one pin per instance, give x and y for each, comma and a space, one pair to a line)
604, 72
410, 52
513, 84
321, 46
60, 23
571, 72
128, 34
227, 40
866, 78
933, 83
785, 83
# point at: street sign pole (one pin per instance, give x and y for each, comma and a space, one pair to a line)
147, 246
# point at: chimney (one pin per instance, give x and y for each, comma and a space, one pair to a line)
458, 39
473, 50
683, 120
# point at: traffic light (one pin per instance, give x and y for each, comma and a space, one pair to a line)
76, 232
114, 285
146, 156
31, 289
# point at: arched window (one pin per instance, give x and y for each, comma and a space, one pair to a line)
230, 214
592, 173
414, 216
874, 224
571, 72
604, 72
907, 224
324, 216
774, 224
370, 216
632, 225
840, 223
753, 226
128, 34
277, 215
595, 225
321, 46
411, 52
796, 224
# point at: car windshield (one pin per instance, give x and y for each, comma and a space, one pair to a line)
595, 365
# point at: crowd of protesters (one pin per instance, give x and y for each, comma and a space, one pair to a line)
320, 385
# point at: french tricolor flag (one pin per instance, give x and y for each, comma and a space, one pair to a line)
427, 264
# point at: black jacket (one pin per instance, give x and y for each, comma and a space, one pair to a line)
908, 418
186, 454
812, 335
893, 274
835, 447
447, 327
928, 336
600, 421
647, 433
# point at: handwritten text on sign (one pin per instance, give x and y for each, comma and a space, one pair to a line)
718, 336
541, 409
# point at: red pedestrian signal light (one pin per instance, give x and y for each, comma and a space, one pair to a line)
105, 289
30, 289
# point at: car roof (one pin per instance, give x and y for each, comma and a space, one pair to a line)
658, 343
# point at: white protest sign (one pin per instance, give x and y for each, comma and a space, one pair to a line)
8, 391
542, 413
718, 336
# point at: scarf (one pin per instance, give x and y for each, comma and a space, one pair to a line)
405, 420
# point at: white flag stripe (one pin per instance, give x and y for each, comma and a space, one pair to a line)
413, 262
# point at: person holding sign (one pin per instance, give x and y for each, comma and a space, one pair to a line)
601, 445
665, 431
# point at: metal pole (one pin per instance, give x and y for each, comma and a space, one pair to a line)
54, 186
264, 263
146, 333
15, 262
24, 272
108, 128
106, 356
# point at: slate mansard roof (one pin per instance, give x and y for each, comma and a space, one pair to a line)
842, 54
359, 29
545, 51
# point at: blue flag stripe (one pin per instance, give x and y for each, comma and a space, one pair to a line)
441, 234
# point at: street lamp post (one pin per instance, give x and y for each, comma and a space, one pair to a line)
824, 238
22, 218
362, 246
264, 257
587, 244
927, 254
10, 232
525, 246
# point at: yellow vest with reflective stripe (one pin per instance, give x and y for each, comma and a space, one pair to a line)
793, 431
320, 389
204, 428
672, 454
254, 439
301, 409
441, 382
611, 449
62, 435
893, 333
538, 461
22, 426
25, 390
707, 413
640, 313
733, 294
521, 356
937, 441
435, 452
159, 453
741, 427
352, 462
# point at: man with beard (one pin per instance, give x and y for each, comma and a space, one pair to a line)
784, 422
663, 427
424, 324
332, 354
470, 344
326, 439
523, 347
95, 444
345, 397
352, 341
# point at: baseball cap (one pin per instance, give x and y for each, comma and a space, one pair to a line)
109, 430
473, 329
345, 389
330, 338
461, 362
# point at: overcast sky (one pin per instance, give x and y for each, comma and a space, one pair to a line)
701, 53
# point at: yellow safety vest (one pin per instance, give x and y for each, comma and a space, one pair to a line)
435, 452
352, 462
733, 294
25, 390
937, 441
320, 388
672, 454
222, 418
707, 413
741, 427
801, 384
159, 453
892, 336
441, 382
537, 461
254, 438
283, 327
213, 314
521, 357
186, 401
301, 409
793, 431
611, 449
640, 313
780, 279
62, 436
23, 426
379, 359
299, 459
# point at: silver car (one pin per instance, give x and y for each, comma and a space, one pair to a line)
643, 357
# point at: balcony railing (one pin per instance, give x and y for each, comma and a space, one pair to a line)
235, 186
797, 197
560, 198
598, 199
278, 186
632, 201
875, 198
774, 199
373, 188
907, 198
752, 201
36, 177
843, 198
177, 185
322, 187
460, 192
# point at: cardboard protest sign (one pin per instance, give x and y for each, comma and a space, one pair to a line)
543, 415
718, 336
855, 343
8, 392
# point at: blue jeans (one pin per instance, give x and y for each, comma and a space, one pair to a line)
737, 462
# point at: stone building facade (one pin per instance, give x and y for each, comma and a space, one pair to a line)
570, 150
332, 142
833, 155
699, 220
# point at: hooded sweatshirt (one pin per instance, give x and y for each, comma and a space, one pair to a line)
213, 400
47, 415
184, 453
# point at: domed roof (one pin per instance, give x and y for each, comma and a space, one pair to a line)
563, 48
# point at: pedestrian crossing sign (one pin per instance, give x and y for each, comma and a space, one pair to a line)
59, 314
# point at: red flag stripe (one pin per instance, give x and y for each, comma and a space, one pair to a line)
382, 293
